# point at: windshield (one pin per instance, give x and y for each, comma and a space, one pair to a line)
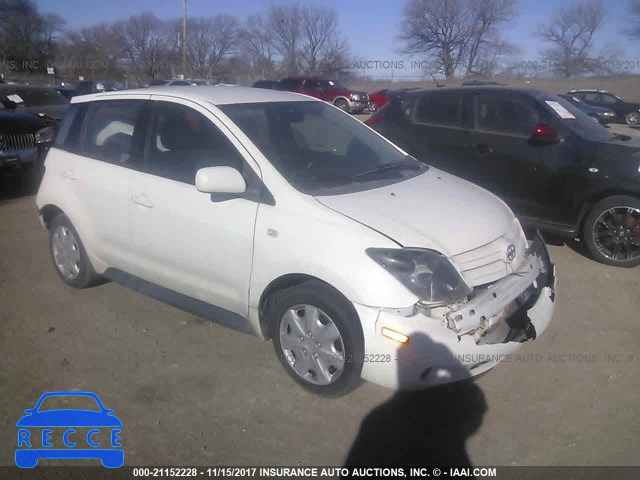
320, 150
578, 121
36, 97
69, 402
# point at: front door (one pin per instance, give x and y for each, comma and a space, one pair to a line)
197, 244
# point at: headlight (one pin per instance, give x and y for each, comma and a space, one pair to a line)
608, 114
45, 136
426, 273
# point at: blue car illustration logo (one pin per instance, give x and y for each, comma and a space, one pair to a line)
83, 433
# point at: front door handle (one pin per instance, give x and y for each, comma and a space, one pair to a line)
68, 174
482, 149
142, 200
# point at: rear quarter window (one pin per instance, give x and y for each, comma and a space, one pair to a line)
70, 130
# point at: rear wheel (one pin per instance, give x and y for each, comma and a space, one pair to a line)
632, 118
317, 337
68, 254
611, 231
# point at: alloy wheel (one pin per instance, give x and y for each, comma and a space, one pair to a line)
616, 233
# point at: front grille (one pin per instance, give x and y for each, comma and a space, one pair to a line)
17, 141
489, 263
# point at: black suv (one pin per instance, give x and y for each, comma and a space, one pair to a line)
557, 169
626, 112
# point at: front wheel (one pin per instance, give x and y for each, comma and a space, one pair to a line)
317, 337
342, 104
611, 231
632, 118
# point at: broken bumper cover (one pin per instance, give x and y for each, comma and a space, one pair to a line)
473, 339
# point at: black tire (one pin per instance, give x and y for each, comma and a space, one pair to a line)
341, 312
595, 117
600, 238
86, 276
632, 118
342, 104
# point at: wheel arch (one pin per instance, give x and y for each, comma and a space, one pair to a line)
286, 281
589, 203
48, 213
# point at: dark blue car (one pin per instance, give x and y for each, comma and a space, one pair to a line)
601, 115
54, 434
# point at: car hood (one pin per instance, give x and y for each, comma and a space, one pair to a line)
53, 111
69, 418
434, 210
17, 122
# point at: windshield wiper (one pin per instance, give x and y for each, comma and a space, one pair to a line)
386, 168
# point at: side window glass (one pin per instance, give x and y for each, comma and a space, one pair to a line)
183, 141
591, 98
609, 99
311, 85
109, 132
503, 114
438, 109
68, 137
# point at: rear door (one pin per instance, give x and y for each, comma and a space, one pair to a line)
97, 167
441, 132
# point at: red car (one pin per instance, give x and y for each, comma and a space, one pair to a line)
330, 91
378, 99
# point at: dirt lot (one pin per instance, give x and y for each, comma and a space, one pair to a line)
191, 392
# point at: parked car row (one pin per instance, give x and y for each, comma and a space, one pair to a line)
29, 116
550, 162
331, 91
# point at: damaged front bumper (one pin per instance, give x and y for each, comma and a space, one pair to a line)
466, 340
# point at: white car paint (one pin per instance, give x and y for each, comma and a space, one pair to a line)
228, 253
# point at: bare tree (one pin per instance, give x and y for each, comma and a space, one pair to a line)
634, 19
570, 36
318, 28
95, 51
285, 22
257, 45
147, 39
487, 17
437, 28
453, 33
27, 37
210, 42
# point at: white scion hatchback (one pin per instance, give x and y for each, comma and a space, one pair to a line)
284, 217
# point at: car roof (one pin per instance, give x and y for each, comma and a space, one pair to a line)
594, 90
530, 91
218, 95
8, 86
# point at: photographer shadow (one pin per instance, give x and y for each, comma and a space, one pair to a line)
422, 428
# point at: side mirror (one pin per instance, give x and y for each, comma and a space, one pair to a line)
220, 180
544, 135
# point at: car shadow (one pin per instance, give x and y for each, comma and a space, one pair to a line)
418, 428
16, 185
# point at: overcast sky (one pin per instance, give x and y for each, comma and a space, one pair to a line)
370, 25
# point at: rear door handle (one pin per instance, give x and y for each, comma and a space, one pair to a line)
69, 174
142, 200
